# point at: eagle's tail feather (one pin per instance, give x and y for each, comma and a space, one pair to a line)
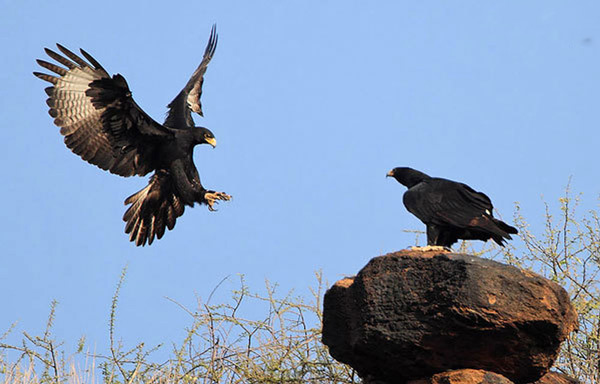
152, 209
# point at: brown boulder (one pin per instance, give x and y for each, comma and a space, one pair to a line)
478, 376
413, 314
556, 378
464, 376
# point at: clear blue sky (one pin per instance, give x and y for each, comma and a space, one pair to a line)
312, 102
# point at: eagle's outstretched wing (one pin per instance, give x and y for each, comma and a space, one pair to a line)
97, 115
188, 100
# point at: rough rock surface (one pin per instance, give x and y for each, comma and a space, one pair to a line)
556, 378
412, 314
464, 376
478, 376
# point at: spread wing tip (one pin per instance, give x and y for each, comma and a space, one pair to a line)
72, 56
212, 42
46, 77
76, 59
93, 61
52, 67
188, 100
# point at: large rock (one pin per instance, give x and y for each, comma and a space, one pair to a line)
411, 314
464, 376
478, 376
556, 378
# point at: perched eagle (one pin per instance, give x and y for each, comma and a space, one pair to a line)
104, 126
450, 210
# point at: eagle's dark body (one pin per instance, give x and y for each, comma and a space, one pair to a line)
450, 210
104, 126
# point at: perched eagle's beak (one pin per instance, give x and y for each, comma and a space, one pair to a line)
212, 141
390, 174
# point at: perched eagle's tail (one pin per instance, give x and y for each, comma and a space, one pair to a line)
502, 231
505, 227
152, 209
487, 227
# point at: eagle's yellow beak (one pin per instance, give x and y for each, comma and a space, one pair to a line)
212, 141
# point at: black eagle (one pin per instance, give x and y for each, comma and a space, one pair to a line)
104, 126
450, 210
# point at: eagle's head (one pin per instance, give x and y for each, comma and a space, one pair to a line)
407, 176
204, 136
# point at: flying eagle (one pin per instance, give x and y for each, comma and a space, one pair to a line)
450, 210
104, 126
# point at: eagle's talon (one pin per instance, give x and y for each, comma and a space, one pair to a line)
213, 198
437, 248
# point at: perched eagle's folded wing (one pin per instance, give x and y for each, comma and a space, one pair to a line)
477, 199
188, 100
97, 115
446, 203
459, 205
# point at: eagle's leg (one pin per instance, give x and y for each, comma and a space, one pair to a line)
433, 235
187, 188
212, 197
191, 190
